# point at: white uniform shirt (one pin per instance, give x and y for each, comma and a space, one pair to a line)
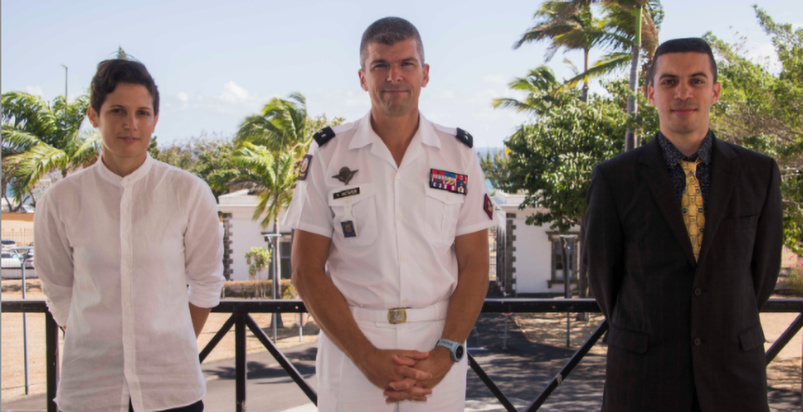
402, 254
115, 255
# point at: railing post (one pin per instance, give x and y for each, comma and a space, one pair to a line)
51, 360
239, 359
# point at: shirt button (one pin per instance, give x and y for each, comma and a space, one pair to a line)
697, 341
404, 300
404, 258
398, 177
698, 291
398, 217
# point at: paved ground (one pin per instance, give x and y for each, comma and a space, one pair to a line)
521, 371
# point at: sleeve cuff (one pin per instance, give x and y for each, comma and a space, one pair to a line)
206, 296
314, 229
60, 312
474, 228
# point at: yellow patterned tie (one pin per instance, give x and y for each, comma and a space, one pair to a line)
691, 203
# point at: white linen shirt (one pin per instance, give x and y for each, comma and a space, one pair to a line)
402, 254
115, 255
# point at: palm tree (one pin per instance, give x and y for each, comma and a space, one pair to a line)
571, 25
543, 92
629, 25
638, 20
41, 137
281, 127
272, 176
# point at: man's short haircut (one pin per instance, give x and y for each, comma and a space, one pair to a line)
690, 44
113, 71
389, 31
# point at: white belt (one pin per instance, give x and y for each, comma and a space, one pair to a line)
402, 315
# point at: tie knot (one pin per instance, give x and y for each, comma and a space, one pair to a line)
689, 165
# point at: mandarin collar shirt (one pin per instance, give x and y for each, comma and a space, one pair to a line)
391, 232
673, 156
120, 258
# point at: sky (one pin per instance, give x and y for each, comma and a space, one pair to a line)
217, 62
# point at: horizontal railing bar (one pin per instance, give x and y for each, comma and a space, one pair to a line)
516, 305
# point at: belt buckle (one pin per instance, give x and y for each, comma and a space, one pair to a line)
397, 315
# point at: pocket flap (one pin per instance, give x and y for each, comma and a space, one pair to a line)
751, 337
349, 195
629, 340
450, 198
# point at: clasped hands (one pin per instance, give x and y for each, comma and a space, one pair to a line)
405, 374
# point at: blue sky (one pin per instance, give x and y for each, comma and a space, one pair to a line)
217, 62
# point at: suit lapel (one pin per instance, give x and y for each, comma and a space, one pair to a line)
660, 184
725, 172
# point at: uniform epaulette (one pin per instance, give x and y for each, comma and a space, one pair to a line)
324, 135
465, 137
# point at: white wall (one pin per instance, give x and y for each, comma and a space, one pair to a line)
533, 255
246, 234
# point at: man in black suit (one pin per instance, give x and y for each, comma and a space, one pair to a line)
683, 241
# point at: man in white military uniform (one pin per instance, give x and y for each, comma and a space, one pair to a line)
390, 252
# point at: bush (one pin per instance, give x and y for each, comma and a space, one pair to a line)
791, 284
253, 289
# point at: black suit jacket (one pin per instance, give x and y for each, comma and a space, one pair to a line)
678, 326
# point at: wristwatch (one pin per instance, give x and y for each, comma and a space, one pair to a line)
456, 349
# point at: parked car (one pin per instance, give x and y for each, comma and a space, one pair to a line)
29, 259
10, 260
8, 243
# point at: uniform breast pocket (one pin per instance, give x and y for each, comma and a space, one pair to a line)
442, 210
354, 214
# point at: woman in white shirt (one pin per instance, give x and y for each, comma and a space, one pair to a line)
129, 251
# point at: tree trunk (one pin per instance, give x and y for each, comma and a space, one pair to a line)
584, 96
582, 272
277, 274
632, 101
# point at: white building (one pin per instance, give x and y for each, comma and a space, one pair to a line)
529, 260
241, 233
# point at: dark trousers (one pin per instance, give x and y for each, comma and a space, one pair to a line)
195, 407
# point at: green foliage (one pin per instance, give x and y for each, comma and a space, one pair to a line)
269, 148
551, 161
209, 159
761, 110
258, 259
273, 175
41, 137
256, 288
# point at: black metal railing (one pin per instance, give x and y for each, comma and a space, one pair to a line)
241, 320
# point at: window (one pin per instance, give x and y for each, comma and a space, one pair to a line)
557, 257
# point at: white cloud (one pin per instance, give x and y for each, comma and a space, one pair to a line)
183, 97
233, 93
34, 90
497, 79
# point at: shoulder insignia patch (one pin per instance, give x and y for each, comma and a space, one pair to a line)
465, 137
303, 168
488, 207
324, 135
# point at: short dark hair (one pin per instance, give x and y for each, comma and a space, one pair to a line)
690, 44
113, 71
389, 31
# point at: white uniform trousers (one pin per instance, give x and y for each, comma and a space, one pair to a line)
343, 387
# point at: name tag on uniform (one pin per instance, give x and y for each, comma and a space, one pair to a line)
448, 181
346, 193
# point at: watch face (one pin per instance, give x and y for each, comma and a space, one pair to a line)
459, 352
